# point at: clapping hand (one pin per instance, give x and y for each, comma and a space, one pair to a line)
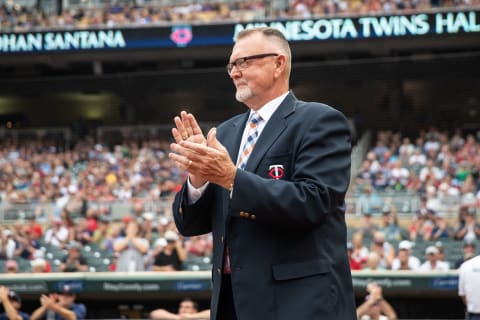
187, 129
47, 300
210, 162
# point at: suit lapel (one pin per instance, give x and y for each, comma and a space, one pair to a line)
234, 137
274, 127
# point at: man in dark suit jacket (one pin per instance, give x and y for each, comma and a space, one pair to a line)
278, 224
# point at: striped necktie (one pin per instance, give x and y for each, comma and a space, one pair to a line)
250, 141
241, 163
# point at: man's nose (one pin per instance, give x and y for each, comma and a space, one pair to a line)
235, 73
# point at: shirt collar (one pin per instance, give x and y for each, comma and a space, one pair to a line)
270, 107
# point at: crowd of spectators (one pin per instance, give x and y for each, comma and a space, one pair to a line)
61, 201
41, 172
71, 225
135, 243
15, 17
443, 172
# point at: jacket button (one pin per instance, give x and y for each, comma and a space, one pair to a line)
219, 271
253, 217
221, 239
242, 214
180, 210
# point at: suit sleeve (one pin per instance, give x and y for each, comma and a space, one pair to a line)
194, 219
319, 180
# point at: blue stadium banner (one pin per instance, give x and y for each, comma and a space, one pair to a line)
185, 36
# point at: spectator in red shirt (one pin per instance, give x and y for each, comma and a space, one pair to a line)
354, 264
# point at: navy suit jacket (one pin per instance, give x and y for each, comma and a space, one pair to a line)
284, 221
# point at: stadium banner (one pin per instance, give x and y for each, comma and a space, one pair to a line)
196, 35
405, 283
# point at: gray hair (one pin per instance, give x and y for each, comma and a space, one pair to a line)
274, 35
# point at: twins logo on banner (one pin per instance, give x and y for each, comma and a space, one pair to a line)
181, 35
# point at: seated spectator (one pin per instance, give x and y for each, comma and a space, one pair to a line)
375, 306
113, 233
101, 233
57, 234
384, 250
373, 262
433, 263
430, 171
381, 180
26, 243
60, 305
441, 253
425, 209
131, 248
113, 264
38, 260
365, 175
35, 227
468, 253
198, 246
469, 188
469, 228
146, 225
441, 229
156, 248
406, 149
7, 244
417, 159
414, 185
172, 256
368, 227
354, 264
11, 305
399, 176
73, 261
82, 234
448, 195
11, 266
404, 259
187, 309
368, 201
39, 265
360, 251
380, 150
390, 226
421, 226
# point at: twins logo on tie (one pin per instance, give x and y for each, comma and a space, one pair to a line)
276, 171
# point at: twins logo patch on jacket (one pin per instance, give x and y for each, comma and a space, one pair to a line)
276, 171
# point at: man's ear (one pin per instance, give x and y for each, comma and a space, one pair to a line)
281, 60
280, 65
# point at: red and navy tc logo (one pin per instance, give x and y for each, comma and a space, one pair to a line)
276, 171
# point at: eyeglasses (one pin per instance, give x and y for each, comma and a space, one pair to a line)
242, 63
